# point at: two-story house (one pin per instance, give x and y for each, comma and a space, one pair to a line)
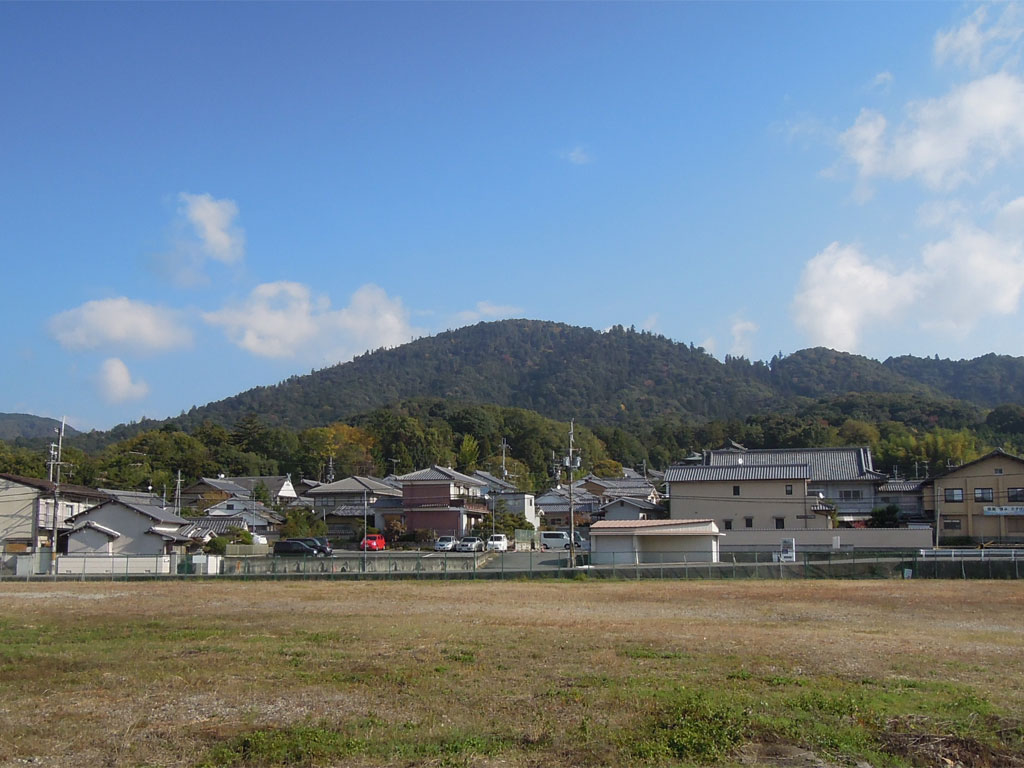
442, 500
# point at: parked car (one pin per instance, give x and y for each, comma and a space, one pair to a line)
498, 542
294, 547
554, 540
445, 544
372, 542
320, 544
471, 544
583, 545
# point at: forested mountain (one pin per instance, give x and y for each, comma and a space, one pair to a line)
638, 398
23, 425
989, 380
618, 377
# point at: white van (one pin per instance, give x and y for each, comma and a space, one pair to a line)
554, 540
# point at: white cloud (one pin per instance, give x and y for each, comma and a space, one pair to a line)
120, 322
1011, 215
882, 80
710, 345
969, 275
978, 45
742, 337
205, 229
116, 383
283, 320
577, 156
944, 142
940, 213
486, 310
650, 322
213, 222
841, 295
958, 281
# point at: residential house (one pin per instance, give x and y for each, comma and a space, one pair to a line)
129, 525
257, 516
744, 496
843, 477
501, 492
211, 490
627, 508
442, 500
982, 500
610, 488
342, 504
553, 506
280, 491
27, 510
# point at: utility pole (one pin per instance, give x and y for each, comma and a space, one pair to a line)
572, 462
504, 448
177, 495
55, 467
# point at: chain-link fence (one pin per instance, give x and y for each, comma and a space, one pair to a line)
930, 564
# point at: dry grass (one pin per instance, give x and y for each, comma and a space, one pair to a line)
511, 673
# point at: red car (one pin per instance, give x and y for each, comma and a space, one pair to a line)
372, 542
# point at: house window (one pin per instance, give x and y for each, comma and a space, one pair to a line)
229, 506
727, 525
748, 522
954, 495
950, 525
999, 470
983, 494
735, 490
1015, 494
849, 495
789, 490
780, 523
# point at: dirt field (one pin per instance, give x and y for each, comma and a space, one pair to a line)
512, 673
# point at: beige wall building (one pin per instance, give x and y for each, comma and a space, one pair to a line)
765, 497
981, 500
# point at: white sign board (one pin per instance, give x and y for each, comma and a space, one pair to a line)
1004, 511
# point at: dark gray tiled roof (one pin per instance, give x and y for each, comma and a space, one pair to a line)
273, 483
156, 511
901, 486
47, 486
440, 474
355, 484
700, 473
633, 502
826, 464
225, 485
495, 482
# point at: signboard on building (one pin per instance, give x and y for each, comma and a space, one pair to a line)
1004, 511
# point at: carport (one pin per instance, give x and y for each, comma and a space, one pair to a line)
615, 542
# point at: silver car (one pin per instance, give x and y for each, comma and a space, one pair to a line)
471, 544
445, 544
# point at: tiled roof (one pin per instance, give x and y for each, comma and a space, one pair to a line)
215, 526
700, 473
826, 464
355, 484
273, 483
634, 502
225, 485
46, 486
901, 486
155, 511
494, 481
440, 474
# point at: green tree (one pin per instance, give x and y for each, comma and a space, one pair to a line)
469, 454
302, 523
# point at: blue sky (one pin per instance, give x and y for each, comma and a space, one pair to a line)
199, 198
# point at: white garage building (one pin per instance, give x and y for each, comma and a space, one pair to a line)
653, 541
